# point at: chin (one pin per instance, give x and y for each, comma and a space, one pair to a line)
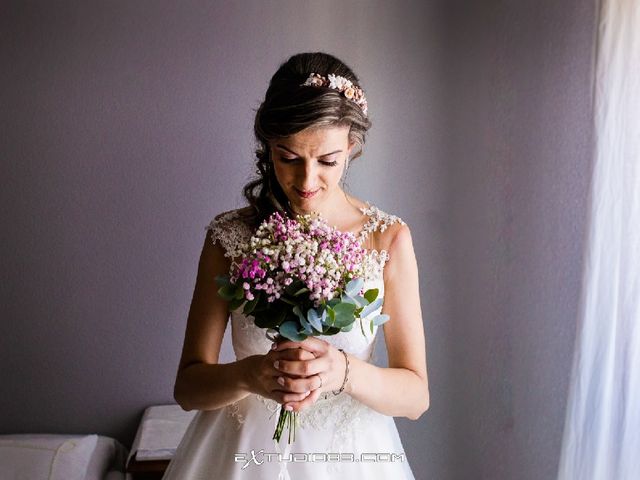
305, 206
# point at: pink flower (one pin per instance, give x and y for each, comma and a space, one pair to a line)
306, 249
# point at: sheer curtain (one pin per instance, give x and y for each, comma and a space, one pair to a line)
602, 428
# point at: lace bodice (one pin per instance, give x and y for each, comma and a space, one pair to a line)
231, 231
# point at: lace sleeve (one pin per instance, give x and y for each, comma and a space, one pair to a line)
231, 231
379, 220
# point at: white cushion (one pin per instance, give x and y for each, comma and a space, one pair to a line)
45, 456
108, 455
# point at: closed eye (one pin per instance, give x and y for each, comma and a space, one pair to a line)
288, 160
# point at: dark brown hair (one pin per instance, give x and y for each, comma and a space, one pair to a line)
289, 108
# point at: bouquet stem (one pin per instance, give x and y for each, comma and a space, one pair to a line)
288, 419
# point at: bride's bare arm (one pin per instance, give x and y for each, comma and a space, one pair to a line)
402, 388
201, 382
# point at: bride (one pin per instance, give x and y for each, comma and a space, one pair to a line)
313, 116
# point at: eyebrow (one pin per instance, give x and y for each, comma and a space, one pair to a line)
291, 151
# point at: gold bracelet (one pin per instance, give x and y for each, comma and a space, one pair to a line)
346, 373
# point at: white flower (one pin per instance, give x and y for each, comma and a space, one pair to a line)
341, 84
338, 82
313, 79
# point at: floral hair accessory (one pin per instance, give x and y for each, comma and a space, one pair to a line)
343, 85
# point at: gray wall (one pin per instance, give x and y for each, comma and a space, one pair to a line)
520, 160
126, 126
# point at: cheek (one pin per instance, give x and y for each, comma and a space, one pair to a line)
334, 177
280, 173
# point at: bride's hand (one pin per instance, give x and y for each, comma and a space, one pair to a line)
323, 372
264, 376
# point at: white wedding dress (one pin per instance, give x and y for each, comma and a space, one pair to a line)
337, 438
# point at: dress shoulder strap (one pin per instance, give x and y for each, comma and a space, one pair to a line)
231, 230
378, 221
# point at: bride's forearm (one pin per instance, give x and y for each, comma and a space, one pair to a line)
397, 392
203, 386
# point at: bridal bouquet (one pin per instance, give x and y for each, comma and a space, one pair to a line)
299, 278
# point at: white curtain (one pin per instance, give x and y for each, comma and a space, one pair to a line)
602, 429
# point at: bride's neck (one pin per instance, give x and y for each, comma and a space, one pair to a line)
339, 211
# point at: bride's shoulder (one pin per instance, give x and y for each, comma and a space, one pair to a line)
382, 226
231, 228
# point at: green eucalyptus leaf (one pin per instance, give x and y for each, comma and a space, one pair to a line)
236, 303
250, 305
222, 280
299, 317
348, 328
354, 286
296, 310
228, 292
314, 319
290, 330
344, 314
308, 329
280, 316
377, 303
264, 321
344, 308
371, 294
294, 287
331, 314
357, 300
362, 301
347, 299
263, 305
331, 330
380, 319
239, 292
343, 322
270, 319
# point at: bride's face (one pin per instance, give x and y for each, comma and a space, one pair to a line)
309, 165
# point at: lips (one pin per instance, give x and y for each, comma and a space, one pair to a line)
307, 194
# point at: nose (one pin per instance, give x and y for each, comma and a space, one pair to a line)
306, 176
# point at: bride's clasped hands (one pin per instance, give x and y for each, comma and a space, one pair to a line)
295, 374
